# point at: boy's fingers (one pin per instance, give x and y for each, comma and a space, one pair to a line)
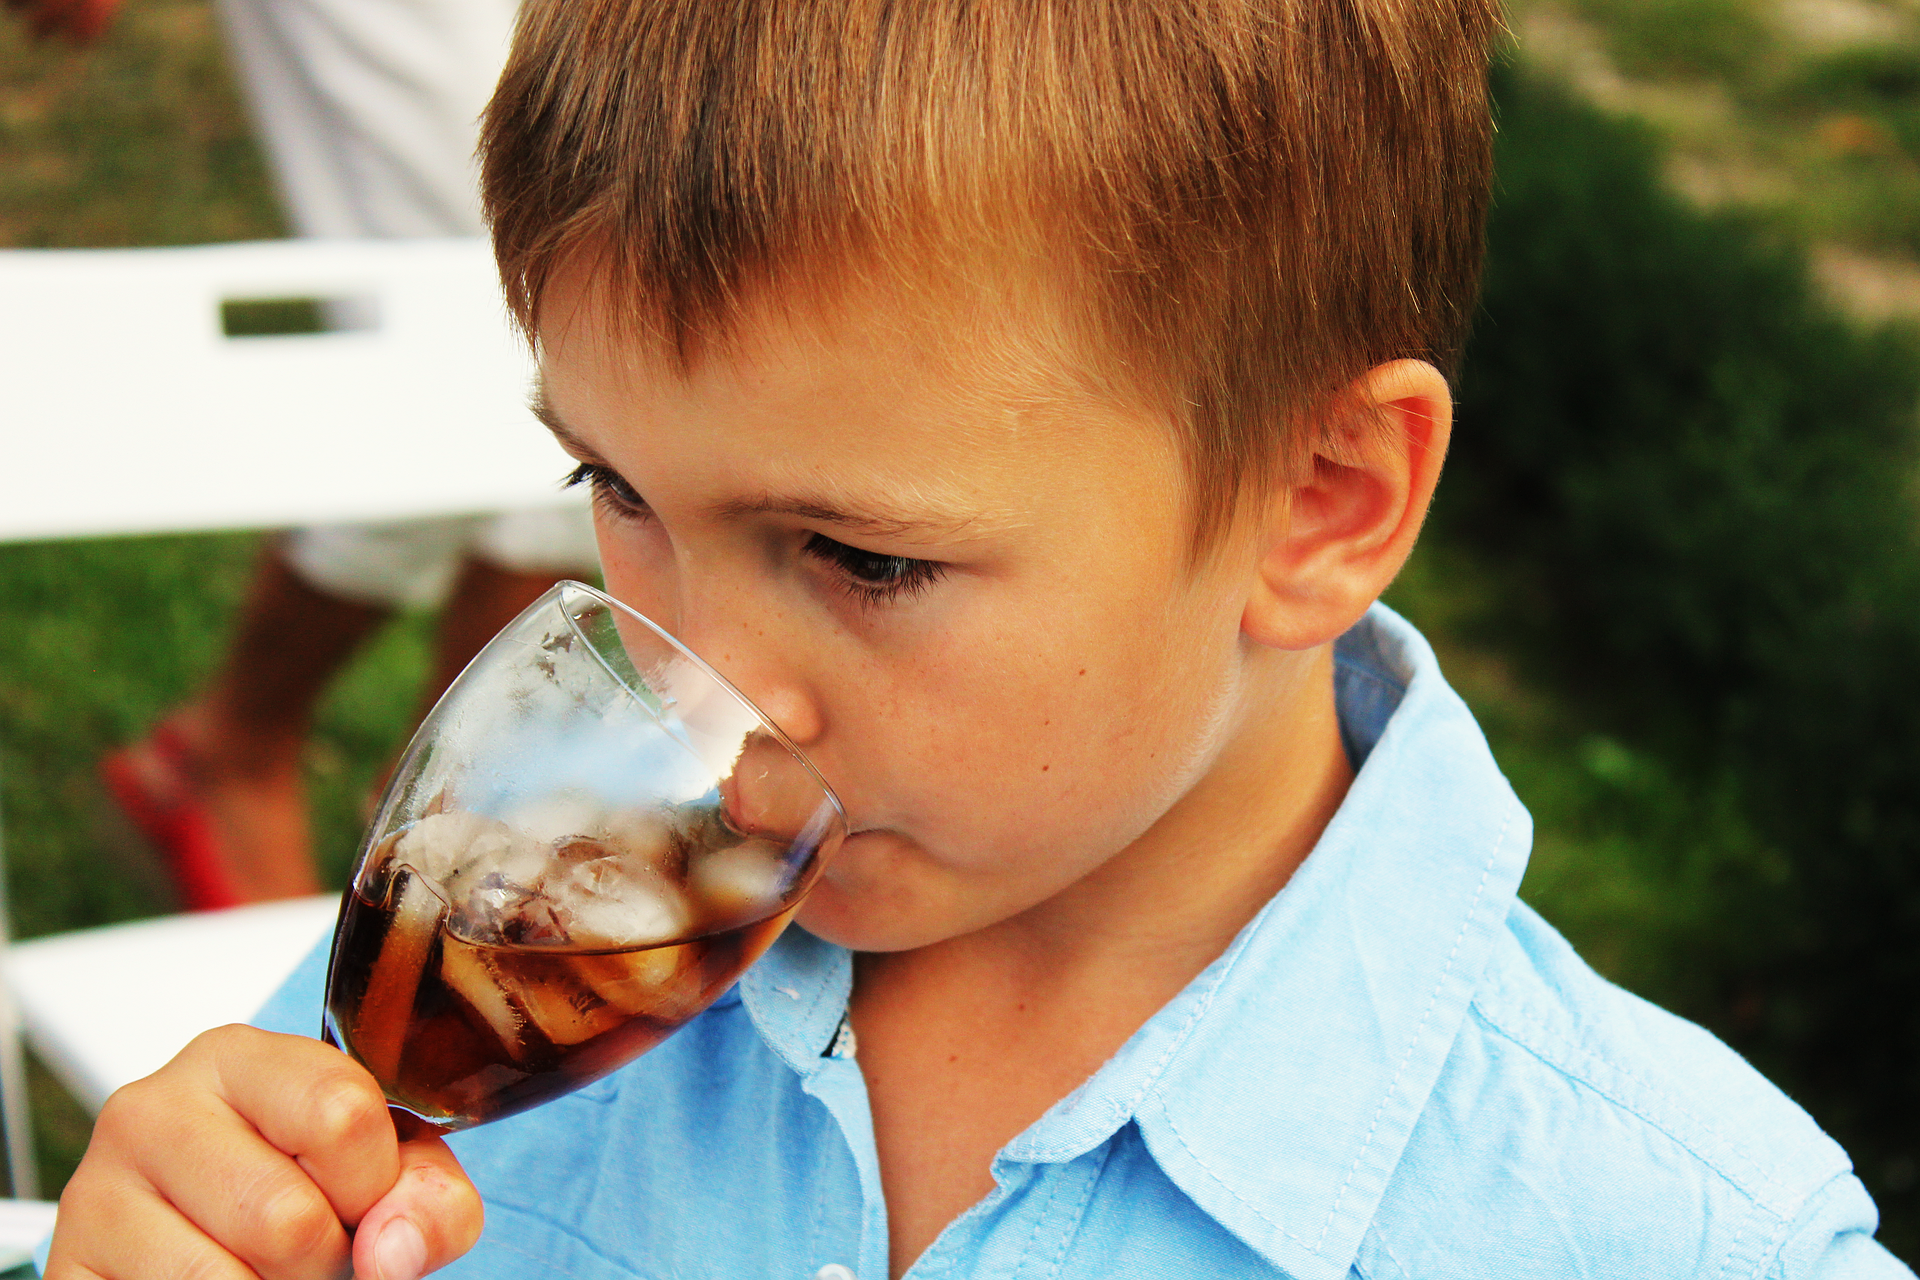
151, 1239
318, 1106
246, 1158
213, 1172
431, 1217
264, 1209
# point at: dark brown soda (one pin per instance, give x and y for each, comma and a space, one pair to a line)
460, 1033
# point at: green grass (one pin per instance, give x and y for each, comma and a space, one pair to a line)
138, 141
1665, 39
98, 639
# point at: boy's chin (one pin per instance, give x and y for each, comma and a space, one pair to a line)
872, 897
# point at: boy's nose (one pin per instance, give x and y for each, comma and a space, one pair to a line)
790, 708
759, 663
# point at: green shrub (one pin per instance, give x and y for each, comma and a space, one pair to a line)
1692, 480
1720, 39
1881, 82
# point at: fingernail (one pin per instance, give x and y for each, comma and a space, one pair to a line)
400, 1253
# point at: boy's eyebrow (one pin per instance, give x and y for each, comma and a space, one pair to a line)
875, 523
542, 409
895, 523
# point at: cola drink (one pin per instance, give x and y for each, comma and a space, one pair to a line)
483, 966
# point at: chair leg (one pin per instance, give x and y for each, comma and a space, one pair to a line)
23, 1174
16, 1115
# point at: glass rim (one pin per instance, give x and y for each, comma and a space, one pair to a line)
561, 589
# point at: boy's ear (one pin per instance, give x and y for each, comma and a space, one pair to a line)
1334, 539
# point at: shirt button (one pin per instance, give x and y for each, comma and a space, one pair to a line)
834, 1271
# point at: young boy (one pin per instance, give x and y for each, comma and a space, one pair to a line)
1025, 402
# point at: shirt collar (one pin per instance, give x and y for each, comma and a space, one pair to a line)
797, 995
1279, 1088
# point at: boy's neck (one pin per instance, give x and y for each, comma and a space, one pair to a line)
966, 1042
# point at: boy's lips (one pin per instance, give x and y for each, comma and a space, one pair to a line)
770, 794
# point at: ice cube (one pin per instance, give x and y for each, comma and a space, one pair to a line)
498, 913
466, 972
591, 869
749, 878
551, 993
534, 924
644, 836
502, 858
441, 844
557, 816
486, 911
386, 1009
493, 879
611, 902
660, 982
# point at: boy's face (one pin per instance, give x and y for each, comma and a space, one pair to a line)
960, 584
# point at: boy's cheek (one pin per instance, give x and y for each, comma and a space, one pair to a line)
637, 569
992, 790
1003, 798
998, 736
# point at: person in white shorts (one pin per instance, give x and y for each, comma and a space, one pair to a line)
369, 113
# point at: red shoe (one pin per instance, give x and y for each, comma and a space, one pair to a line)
152, 781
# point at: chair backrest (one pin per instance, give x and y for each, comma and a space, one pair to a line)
126, 407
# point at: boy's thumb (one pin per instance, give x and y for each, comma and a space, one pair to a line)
431, 1216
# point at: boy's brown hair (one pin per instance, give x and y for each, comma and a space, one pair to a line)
1244, 203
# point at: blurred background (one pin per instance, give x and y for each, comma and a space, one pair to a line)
1673, 565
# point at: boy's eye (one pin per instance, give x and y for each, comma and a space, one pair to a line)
872, 577
611, 492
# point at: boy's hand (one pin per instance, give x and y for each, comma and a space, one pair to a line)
255, 1154
81, 21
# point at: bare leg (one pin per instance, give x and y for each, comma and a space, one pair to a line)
485, 598
246, 734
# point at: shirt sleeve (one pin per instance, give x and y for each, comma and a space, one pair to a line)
1833, 1239
295, 1007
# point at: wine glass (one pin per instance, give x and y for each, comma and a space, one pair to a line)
588, 839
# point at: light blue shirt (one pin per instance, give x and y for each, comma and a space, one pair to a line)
1396, 1070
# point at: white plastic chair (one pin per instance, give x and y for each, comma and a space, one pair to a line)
23, 1225
104, 1007
125, 408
